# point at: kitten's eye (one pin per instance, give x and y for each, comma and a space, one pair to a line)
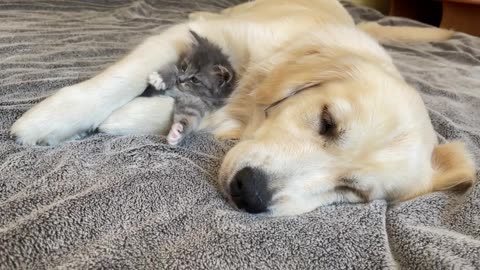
195, 80
328, 126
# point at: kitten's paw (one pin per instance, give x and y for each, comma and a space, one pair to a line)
175, 135
156, 81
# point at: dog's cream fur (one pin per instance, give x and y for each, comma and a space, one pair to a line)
386, 147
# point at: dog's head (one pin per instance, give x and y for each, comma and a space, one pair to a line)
337, 127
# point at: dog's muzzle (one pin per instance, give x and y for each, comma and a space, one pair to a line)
249, 190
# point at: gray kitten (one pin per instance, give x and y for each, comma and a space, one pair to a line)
200, 82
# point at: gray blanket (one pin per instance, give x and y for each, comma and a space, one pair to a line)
133, 202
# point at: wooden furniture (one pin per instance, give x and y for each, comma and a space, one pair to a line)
426, 11
459, 15
462, 15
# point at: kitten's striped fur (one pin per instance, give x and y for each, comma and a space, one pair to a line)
200, 83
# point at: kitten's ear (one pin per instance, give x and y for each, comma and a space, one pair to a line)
223, 74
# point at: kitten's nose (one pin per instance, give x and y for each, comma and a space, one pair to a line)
181, 78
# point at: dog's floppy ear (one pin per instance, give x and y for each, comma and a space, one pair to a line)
302, 70
453, 167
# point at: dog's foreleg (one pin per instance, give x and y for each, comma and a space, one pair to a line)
82, 107
142, 115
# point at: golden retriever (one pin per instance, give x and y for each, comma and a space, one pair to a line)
321, 112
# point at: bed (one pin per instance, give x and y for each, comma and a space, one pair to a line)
133, 202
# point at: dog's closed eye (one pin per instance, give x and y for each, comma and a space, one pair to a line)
328, 126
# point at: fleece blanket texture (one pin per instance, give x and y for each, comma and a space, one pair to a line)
133, 202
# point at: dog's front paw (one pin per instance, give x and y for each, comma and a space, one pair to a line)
69, 114
176, 134
157, 81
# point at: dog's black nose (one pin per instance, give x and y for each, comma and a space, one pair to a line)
249, 190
